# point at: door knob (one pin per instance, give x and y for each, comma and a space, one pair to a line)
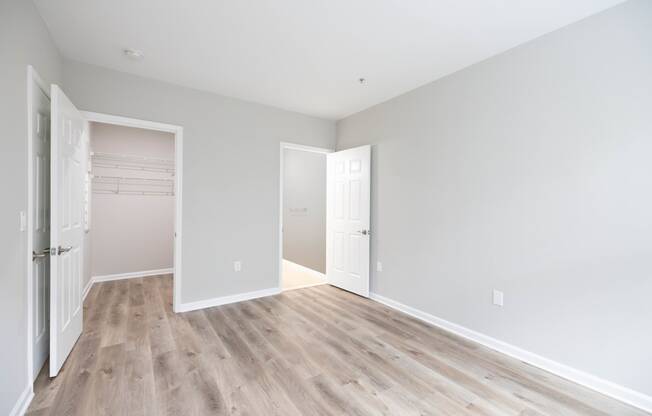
61, 250
44, 253
365, 232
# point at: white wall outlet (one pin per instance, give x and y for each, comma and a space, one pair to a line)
23, 220
379, 266
237, 266
498, 298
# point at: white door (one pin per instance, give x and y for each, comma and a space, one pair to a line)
347, 212
40, 217
68, 133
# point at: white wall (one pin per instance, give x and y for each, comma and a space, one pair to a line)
231, 172
23, 40
304, 208
131, 233
531, 173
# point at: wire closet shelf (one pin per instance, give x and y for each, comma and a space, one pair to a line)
120, 174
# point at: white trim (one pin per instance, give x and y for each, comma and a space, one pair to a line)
314, 273
178, 194
209, 303
23, 401
304, 148
600, 385
33, 80
87, 289
178, 188
290, 146
122, 276
131, 275
129, 122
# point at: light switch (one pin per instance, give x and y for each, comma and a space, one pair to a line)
498, 298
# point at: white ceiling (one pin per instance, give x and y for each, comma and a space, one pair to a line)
302, 55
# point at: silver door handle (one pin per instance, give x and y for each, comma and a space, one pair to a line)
42, 254
61, 250
365, 232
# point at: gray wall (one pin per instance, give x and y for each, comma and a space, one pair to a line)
531, 173
23, 40
304, 208
230, 171
131, 233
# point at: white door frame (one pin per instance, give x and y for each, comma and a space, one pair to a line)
178, 165
33, 81
289, 146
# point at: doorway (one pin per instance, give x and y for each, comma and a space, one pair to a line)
132, 203
60, 171
302, 216
338, 196
148, 175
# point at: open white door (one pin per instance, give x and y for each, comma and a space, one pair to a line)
66, 220
347, 219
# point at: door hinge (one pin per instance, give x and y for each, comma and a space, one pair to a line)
42, 254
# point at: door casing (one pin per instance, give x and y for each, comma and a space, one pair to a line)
34, 81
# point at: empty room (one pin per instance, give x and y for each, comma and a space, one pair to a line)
336, 208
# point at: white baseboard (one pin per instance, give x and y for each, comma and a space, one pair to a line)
600, 385
120, 276
23, 402
132, 275
208, 303
87, 289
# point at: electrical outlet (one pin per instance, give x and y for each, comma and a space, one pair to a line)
379, 266
237, 266
498, 298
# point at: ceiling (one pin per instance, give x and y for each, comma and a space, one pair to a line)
302, 55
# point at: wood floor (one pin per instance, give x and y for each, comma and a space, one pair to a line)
314, 351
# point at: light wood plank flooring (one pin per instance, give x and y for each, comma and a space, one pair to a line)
314, 351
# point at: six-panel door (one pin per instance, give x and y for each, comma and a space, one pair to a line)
66, 236
348, 215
